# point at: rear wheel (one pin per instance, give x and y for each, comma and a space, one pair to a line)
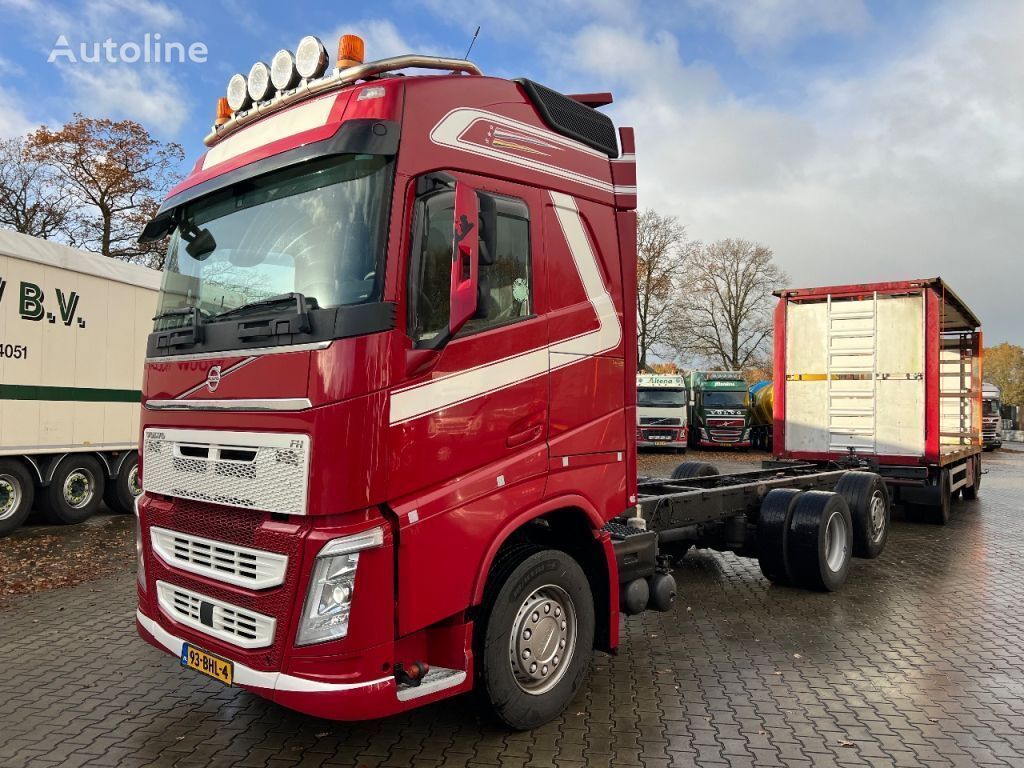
16, 495
122, 490
938, 512
689, 469
74, 492
538, 640
772, 534
820, 541
870, 510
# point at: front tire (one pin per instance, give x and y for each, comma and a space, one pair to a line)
74, 492
16, 495
538, 640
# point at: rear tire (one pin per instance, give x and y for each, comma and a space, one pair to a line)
689, 469
74, 492
938, 513
820, 538
538, 640
867, 496
122, 490
773, 534
16, 495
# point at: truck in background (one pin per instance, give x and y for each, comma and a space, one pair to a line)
762, 420
73, 329
661, 411
991, 417
884, 373
719, 409
389, 453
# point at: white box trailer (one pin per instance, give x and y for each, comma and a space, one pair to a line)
889, 373
73, 329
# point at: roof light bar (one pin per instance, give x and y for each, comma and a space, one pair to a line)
311, 57
260, 87
283, 73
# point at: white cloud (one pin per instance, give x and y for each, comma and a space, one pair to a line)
145, 94
13, 120
912, 169
773, 23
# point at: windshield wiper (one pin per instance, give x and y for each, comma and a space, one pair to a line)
273, 326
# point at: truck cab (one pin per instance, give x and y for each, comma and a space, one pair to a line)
389, 400
661, 411
991, 417
719, 409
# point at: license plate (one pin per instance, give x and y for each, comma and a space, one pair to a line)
210, 665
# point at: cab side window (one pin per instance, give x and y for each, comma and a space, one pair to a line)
505, 292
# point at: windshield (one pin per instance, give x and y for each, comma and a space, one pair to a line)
725, 399
663, 398
990, 407
316, 229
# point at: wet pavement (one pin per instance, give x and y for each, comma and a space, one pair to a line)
918, 661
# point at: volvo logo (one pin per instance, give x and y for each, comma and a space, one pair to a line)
213, 378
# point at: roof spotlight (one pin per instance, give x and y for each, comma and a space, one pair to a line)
260, 87
282, 70
311, 57
238, 93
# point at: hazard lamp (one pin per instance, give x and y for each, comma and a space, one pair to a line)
328, 605
350, 51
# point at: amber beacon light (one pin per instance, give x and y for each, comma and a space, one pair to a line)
350, 51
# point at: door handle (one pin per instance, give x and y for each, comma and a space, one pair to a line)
522, 437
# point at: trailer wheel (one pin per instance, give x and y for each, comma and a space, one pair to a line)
121, 492
867, 496
16, 495
820, 538
74, 492
971, 491
538, 640
772, 534
938, 512
690, 469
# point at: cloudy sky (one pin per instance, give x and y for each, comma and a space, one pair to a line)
860, 140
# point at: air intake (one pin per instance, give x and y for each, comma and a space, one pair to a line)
570, 118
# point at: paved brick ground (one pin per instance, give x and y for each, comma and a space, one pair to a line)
919, 661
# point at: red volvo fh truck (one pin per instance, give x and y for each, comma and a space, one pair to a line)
389, 428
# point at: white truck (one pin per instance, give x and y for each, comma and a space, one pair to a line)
73, 328
661, 411
991, 417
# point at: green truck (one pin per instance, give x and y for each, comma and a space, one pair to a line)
719, 409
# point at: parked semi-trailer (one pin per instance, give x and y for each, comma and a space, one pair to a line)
661, 411
991, 417
889, 372
389, 424
719, 409
73, 328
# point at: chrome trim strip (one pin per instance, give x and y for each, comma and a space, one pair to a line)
254, 352
266, 404
247, 676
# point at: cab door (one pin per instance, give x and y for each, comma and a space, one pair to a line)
468, 435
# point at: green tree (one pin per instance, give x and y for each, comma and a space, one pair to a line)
1003, 365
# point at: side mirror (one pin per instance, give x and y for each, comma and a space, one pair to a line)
465, 258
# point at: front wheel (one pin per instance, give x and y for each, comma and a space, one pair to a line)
538, 640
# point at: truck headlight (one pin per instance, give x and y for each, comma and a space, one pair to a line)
328, 603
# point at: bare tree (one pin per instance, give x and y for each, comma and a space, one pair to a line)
114, 172
726, 304
662, 251
30, 201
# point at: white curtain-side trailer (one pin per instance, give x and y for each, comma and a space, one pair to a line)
73, 328
886, 373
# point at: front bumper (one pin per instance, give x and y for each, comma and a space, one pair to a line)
320, 697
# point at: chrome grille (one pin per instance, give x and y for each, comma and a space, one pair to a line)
266, 471
659, 421
246, 629
241, 566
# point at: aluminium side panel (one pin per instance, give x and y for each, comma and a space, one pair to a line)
77, 386
806, 389
899, 379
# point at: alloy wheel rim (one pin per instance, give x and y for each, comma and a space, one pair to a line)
836, 542
79, 488
133, 481
543, 639
877, 516
10, 496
